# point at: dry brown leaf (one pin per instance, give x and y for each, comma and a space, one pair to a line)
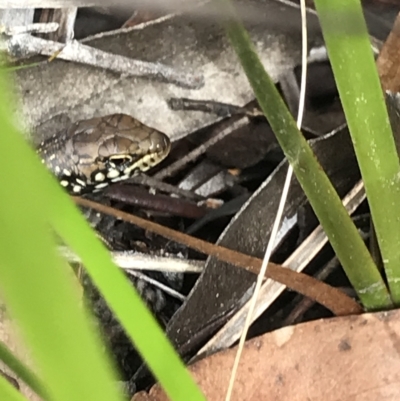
388, 60
346, 358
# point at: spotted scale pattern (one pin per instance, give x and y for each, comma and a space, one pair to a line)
91, 154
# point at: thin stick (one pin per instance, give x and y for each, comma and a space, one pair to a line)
178, 165
27, 45
278, 217
332, 298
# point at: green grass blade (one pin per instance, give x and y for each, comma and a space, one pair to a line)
327, 205
9, 392
140, 325
22, 371
23, 67
39, 289
48, 203
357, 79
